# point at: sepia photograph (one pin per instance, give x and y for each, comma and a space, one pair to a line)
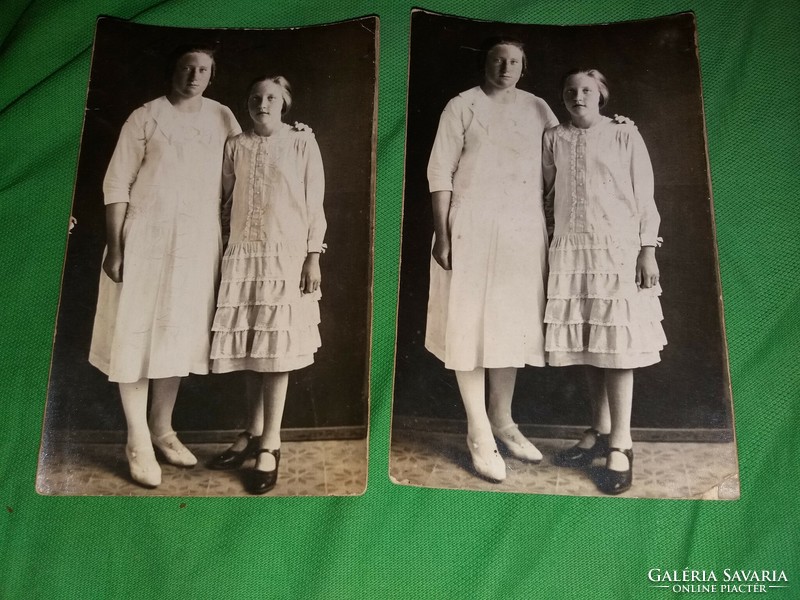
213, 335
559, 304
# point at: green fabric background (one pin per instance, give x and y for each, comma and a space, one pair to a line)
401, 542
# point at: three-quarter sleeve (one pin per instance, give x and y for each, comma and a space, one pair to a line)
127, 158
447, 148
315, 194
643, 191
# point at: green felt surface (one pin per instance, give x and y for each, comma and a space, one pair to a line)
401, 542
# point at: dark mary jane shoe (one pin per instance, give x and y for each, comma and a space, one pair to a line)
616, 482
263, 481
233, 459
576, 456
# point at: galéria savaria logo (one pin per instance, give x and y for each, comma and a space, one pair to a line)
715, 581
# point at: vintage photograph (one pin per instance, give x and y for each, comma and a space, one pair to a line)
213, 335
560, 326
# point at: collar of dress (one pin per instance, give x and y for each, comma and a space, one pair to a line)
252, 140
568, 131
483, 107
168, 119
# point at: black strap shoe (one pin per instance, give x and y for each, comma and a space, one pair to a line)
576, 456
233, 459
616, 482
263, 481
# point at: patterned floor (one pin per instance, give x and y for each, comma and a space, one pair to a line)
313, 468
660, 470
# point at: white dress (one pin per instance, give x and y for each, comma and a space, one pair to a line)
263, 321
601, 182
488, 310
167, 167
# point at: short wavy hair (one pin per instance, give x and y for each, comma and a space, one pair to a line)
282, 82
602, 84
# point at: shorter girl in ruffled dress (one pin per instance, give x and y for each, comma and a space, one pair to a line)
267, 309
603, 286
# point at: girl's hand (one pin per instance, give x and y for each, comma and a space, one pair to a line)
441, 252
310, 276
112, 265
646, 267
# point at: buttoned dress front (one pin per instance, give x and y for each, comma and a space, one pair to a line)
167, 168
600, 180
488, 310
263, 321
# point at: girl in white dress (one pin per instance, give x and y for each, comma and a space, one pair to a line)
268, 306
162, 193
488, 267
603, 308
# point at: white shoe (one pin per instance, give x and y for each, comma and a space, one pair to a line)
487, 460
517, 444
173, 450
144, 466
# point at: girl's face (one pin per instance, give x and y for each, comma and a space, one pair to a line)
192, 74
503, 66
265, 102
581, 96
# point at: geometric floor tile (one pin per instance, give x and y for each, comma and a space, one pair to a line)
660, 469
308, 468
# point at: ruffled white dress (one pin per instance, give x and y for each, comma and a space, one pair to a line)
263, 321
601, 182
167, 167
488, 310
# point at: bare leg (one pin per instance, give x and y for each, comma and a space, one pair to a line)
275, 386
619, 383
480, 440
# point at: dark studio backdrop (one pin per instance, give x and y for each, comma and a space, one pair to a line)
335, 97
653, 75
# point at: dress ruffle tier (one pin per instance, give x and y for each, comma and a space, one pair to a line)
263, 322
596, 314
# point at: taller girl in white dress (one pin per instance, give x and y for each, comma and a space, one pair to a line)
156, 300
488, 267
